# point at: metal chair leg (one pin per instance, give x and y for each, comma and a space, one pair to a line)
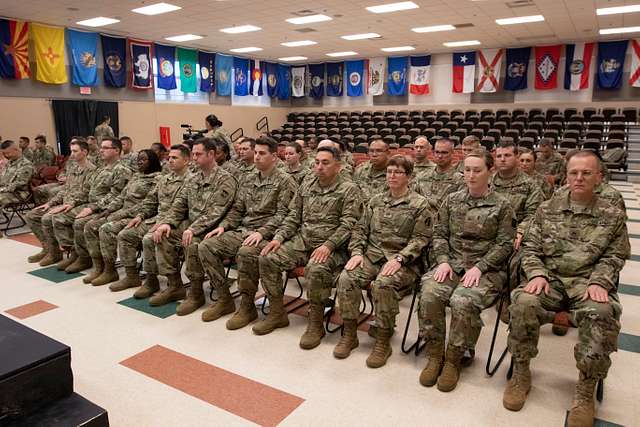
418, 345
488, 369
600, 390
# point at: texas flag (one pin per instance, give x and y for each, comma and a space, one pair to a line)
634, 72
464, 69
578, 66
419, 75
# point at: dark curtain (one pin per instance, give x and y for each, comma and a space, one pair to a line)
80, 118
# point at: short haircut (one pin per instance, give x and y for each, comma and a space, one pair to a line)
80, 138
221, 145
524, 150
269, 142
296, 146
483, 154
183, 149
446, 141
402, 162
82, 144
26, 138
91, 137
509, 144
207, 143
105, 118
251, 141
422, 138
154, 161
334, 152
379, 140
7, 143
471, 140
41, 138
115, 143
159, 146
584, 153
546, 142
125, 138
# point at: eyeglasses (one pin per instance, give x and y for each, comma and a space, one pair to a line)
395, 172
107, 148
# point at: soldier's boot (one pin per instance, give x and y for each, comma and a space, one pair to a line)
315, 328
373, 330
150, 286
38, 257
381, 349
450, 374
224, 305
194, 300
64, 263
53, 255
174, 291
109, 274
277, 318
518, 387
130, 280
348, 340
431, 372
98, 268
583, 409
246, 314
82, 263
559, 330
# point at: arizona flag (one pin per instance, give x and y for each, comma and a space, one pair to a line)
578, 66
547, 60
255, 88
419, 75
464, 68
634, 73
48, 43
489, 71
14, 50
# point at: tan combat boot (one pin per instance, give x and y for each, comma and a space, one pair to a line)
224, 305
62, 265
448, 379
109, 274
583, 408
315, 328
81, 263
246, 314
518, 387
277, 318
53, 256
175, 291
130, 280
98, 268
431, 372
38, 257
348, 340
381, 349
194, 300
150, 286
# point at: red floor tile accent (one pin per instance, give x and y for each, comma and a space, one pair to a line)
31, 309
251, 400
28, 238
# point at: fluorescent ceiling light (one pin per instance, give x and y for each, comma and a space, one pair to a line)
156, 9
292, 58
463, 43
183, 38
520, 20
361, 36
240, 29
433, 29
245, 49
299, 43
348, 53
620, 9
393, 7
97, 22
397, 49
620, 30
309, 19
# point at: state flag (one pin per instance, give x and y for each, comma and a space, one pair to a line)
517, 68
272, 79
355, 77
284, 82
547, 60
419, 79
207, 64
188, 65
297, 81
82, 48
335, 71
577, 66
397, 75
464, 69
634, 72
376, 76
166, 60
48, 44
489, 70
224, 64
611, 63
257, 72
114, 58
141, 57
241, 76
14, 50
316, 74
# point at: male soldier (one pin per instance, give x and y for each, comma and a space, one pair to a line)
15, 179
314, 233
246, 154
68, 202
259, 208
24, 146
94, 151
149, 216
385, 245
371, 176
442, 180
469, 144
575, 249
129, 156
205, 200
103, 130
550, 163
42, 155
421, 149
346, 170
45, 192
527, 163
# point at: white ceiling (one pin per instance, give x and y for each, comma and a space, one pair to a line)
565, 21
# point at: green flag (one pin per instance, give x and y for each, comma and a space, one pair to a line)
188, 74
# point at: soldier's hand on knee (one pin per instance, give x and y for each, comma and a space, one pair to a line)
187, 237
253, 239
44, 207
84, 212
390, 268
65, 208
134, 222
272, 246
443, 272
160, 232
597, 293
537, 285
472, 277
214, 233
320, 255
354, 262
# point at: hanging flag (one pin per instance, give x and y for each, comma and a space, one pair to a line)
166, 60
257, 72
547, 60
113, 55
224, 64
335, 71
14, 50
577, 66
48, 43
141, 73
634, 72
207, 62
316, 72
241, 76
464, 69
517, 68
375, 84
82, 49
419, 80
489, 70
272, 79
284, 82
188, 67
355, 77
397, 75
297, 81
611, 63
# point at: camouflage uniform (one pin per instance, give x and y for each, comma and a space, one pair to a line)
572, 247
27, 153
469, 232
94, 157
15, 181
370, 181
389, 227
300, 174
103, 131
230, 167
554, 165
524, 195
244, 168
460, 167
43, 157
606, 192
131, 160
543, 182
436, 185
420, 168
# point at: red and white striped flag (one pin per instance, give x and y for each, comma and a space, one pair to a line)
578, 66
634, 72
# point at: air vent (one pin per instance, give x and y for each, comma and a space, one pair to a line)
305, 30
465, 25
305, 12
519, 3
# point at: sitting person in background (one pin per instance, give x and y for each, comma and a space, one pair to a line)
27, 152
371, 175
15, 179
43, 155
550, 163
292, 155
421, 150
444, 178
94, 150
129, 157
469, 144
527, 162
245, 156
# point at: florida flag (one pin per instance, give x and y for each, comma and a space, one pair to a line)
464, 69
578, 65
634, 73
419, 75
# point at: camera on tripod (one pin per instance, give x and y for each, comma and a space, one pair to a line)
191, 134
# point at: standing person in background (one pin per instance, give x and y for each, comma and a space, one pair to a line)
217, 131
103, 130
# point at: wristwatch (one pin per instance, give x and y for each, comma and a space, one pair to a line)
400, 259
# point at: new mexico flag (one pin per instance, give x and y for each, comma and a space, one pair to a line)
48, 43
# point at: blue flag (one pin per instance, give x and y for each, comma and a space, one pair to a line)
284, 81
517, 67
166, 57
207, 62
272, 79
113, 54
611, 63
335, 71
141, 70
397, 75
82, 49
316, 74
224, 64
241, 76
355, 78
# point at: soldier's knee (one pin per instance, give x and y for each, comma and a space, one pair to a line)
248, 251
147, 241
318, 271
462, 303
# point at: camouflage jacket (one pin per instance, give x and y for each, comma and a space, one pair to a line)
472, 231
576, 245
157, 203
94, 157
370, 181
127, 203
606, 192
131, 160
554, 165
221, 133
106, 184
524, 195
300, 174
543, 182
76, 188
436, 186
230, 167
27, 153
42, 157
16, 177
103, 131
423, 167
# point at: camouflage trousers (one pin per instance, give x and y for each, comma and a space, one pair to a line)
319, 277
7, 199
129, 242
43, 193
228, 245
56, 228
386, 291
168, 252
106, 235
598, 325
85, 243
466, 306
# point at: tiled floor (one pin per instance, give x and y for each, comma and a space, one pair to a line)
152, 368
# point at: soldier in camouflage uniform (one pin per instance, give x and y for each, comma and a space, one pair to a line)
245, 157
444, 179
371, 176
314, 234
469, 144
346, 170
94, 151
295, 168
421, 149
573, 254
472, 240
385, 245
42, 155
214, 125
223, 158
200, 207
27, 152
259, 208
129, 157
550, 163
103, 130
527, 163
15, 179
305, 159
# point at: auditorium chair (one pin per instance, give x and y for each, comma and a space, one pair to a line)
404, 140
399, 132
374, 137
484, 113
469, 113
430, 118
444, 132
413, 133
630, 114
503, 112
503, 119
491, 119
335, 137
488, 142
571, 134
360, 139
440, 113
579, 118
617, 118
460, 133
523, 118
467, 126
513, 134
531, 133
382, 124
617, 125
538, 118
485, 126
368, 124
594, 134
473, 118
527, 142
534, 112
598, 118
495, 134
519, 126
518, 112
343, 124
507, 140
402, 117
501, 126
477, 132
459, 119
617, 134
551, 133
591, 144
451, 126
608, 113
575, 127
568, 144
390, 113
385, 132
377, 119
346, 131
589, 112
437, 125
455, 139
358, 131
552, 112
535, 125
429, 133
407, 124
322, 136
394, 125
456, 112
